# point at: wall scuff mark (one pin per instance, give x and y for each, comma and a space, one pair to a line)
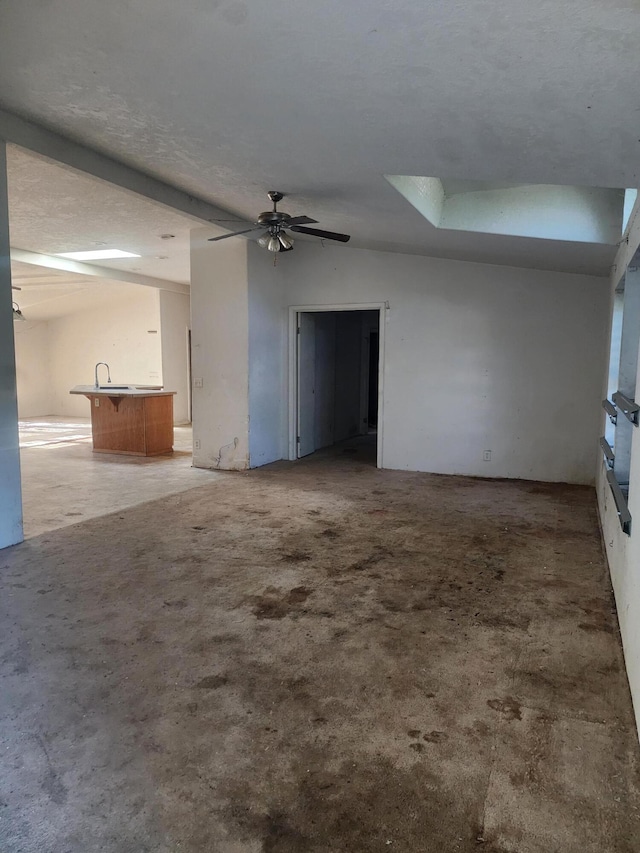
226, 457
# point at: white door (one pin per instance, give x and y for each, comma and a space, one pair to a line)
306, 383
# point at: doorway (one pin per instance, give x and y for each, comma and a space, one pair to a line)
336, 379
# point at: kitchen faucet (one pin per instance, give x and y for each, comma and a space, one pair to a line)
108, 372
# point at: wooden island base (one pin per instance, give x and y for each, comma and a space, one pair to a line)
134, 425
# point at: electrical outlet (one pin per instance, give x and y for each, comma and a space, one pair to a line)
96, 402
197, 383
196, 444
486, 456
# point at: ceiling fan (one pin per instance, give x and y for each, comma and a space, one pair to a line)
274, 222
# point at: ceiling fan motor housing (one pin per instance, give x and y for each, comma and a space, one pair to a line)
273, 217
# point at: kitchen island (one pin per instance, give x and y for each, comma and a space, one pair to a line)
130, 419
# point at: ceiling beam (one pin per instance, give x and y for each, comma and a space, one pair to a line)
67, 265
52, 145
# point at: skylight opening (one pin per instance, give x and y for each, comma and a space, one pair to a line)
97, 255
630, 196
539, 211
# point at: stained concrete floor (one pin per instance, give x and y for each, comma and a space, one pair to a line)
63, 481
318, 657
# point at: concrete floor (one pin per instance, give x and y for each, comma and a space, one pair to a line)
64, 482
318, 657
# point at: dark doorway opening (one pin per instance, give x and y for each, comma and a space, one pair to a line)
337, 381
374, 355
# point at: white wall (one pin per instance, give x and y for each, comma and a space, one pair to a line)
175, 321
118, 334
220, 352
623, 552
50, 356
623, 555
267, 357
33, 369
477, 358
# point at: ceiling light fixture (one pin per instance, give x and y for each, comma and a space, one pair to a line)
17, 313
285, 239
275, 239
97, 255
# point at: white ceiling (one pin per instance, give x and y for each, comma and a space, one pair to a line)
48, 294
55, 209
228, 99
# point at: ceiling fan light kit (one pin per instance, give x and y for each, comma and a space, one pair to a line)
286, 240
275, 238
274, 244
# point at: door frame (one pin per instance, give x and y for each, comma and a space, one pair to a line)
294, 310
189, 376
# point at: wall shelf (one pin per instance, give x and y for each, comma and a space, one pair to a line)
627, 406
608, 452
620, 499
611, 410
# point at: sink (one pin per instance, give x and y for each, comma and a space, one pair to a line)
116, 388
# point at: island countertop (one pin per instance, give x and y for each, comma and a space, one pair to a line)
121, 391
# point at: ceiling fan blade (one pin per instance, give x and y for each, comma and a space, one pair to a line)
236, 233
300, 220
327, 235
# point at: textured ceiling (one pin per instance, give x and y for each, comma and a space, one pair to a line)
55, 209
228, 99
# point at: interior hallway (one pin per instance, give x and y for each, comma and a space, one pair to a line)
318, 656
